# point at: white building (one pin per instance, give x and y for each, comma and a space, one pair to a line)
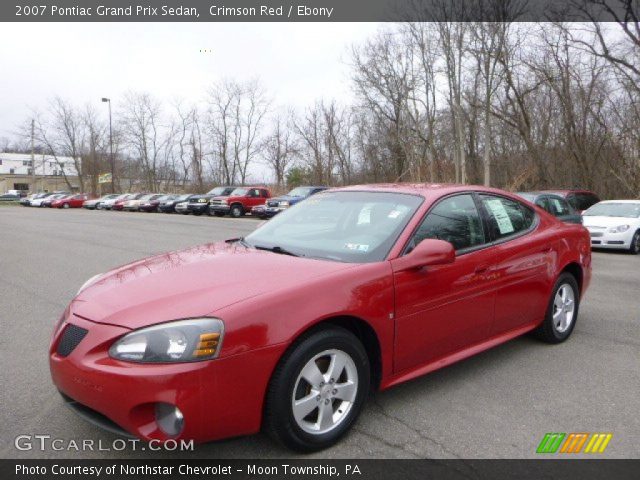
17, 172
46, 165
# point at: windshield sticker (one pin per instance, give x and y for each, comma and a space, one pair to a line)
356, 247
394, 213
501, 216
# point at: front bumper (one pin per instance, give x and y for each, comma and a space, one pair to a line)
219, 209
272, 211
218, 398
608, 240
198, 207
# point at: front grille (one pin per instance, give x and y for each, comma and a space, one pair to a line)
218, 202
272, 204
70, 339
596, 242
596, 234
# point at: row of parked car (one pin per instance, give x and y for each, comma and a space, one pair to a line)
613, 224
225, 200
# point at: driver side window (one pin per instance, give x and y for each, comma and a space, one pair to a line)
455, 220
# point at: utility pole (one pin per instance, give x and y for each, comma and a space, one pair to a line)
33, 162
113, 174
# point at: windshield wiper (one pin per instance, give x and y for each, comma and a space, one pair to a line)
239, 240
277, 249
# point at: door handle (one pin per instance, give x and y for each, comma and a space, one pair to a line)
481, 269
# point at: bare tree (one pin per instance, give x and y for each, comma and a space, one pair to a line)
280, 148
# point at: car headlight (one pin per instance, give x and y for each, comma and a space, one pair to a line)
284, 203
619, 229
180, 341
89, 282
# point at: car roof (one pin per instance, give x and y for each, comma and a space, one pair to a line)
545, 193
568, 191
426, 190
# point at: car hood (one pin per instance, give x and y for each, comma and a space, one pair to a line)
192, 283
601, 221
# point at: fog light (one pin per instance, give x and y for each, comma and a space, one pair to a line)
169, 418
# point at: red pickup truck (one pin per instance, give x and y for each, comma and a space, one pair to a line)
241, 201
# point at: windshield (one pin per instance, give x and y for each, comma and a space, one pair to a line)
218, 191
628, 210
355, 227
299, 192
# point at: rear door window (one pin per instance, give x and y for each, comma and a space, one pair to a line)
506, 217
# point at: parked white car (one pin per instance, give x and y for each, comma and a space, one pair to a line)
96, 203
107, 204
614, 224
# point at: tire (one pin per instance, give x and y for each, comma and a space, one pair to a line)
288, 385
558, 329
65, 205
236, 211
634, 249
218, 214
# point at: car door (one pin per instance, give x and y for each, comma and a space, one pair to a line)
523, 258
253, 198
446, 308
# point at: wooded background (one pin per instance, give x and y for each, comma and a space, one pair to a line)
514, 105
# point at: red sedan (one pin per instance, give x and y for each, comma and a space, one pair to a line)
288, 329
70, 201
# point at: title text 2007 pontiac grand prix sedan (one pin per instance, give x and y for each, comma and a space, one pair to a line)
288, 329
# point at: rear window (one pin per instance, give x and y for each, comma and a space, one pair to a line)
582, 201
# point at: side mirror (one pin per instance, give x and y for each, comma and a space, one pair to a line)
427, 253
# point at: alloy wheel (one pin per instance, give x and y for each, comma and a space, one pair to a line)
563, 308
325, 391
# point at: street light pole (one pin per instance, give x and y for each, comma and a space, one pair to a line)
113, 175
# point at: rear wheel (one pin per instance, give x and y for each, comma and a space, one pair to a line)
562, 312
317, 390
65, 205
635, 244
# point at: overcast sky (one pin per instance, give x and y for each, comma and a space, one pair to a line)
297, 62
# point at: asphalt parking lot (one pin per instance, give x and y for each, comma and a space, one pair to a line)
498, 404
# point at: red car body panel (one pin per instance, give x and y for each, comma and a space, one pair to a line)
75, 201
422, 319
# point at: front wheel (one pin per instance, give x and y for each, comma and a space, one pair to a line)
236, 211
65, 205
562, 312
317, 390
635, 244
